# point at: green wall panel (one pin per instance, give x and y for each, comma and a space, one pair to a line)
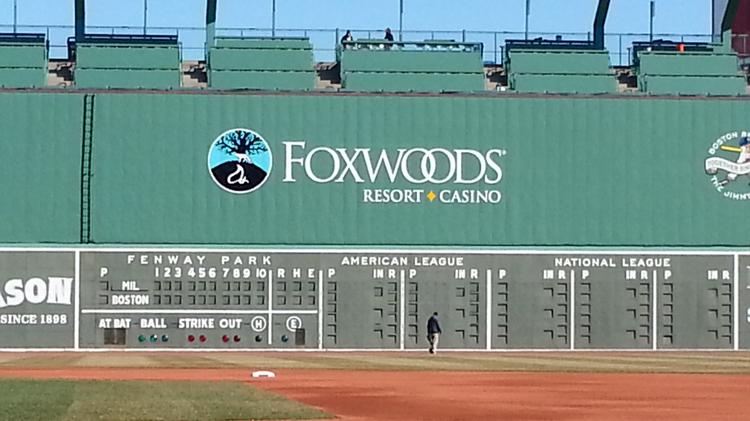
127, 78
362, 315
40, 167
551, 83
695, 304
16, 77
530, 311
692, 85
566, 62
686, 64
459, 300
266, 80
127, 57
614, 308
744, 302
577, 171
410, 61
23, 55
37, 299
23, 65
266, 59
413, 82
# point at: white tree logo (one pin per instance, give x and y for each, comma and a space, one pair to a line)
239, 161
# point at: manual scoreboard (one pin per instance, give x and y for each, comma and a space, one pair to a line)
228, 299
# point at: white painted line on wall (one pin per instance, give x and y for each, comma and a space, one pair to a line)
736, 304
270, 307
320, 309
385, 250
572, 313
198, 311
402, 306
334, 350
77, 304
654, 312
488, 313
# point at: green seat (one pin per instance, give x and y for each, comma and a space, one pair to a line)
127, 57
23, 64
259, 60
558, 62
688, 64
429, 66
410, 62
261, 63
689, 73
122, 65
541, 70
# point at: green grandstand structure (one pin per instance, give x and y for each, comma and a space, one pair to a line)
260, 199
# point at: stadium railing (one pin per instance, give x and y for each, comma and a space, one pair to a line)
324, 40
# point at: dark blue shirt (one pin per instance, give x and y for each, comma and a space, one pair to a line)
433, 326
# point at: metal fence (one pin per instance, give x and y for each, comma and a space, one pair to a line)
324, 41
741, 44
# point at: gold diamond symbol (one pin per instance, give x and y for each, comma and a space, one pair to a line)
431, 195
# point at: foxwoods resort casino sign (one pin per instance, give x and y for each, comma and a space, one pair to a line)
240, 161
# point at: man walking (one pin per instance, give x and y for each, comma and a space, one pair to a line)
433, 332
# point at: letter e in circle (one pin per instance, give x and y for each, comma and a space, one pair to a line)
293, 323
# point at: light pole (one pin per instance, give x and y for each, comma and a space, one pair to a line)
145, 14
273, 18
652, 13
15, 15
401, 20
526, 28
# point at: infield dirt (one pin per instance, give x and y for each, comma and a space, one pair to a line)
366, 395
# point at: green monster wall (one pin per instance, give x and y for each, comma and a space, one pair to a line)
576, 171
40, 167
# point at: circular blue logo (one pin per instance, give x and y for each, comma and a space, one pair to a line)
239, 161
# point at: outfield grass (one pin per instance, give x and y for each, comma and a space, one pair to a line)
55, 400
